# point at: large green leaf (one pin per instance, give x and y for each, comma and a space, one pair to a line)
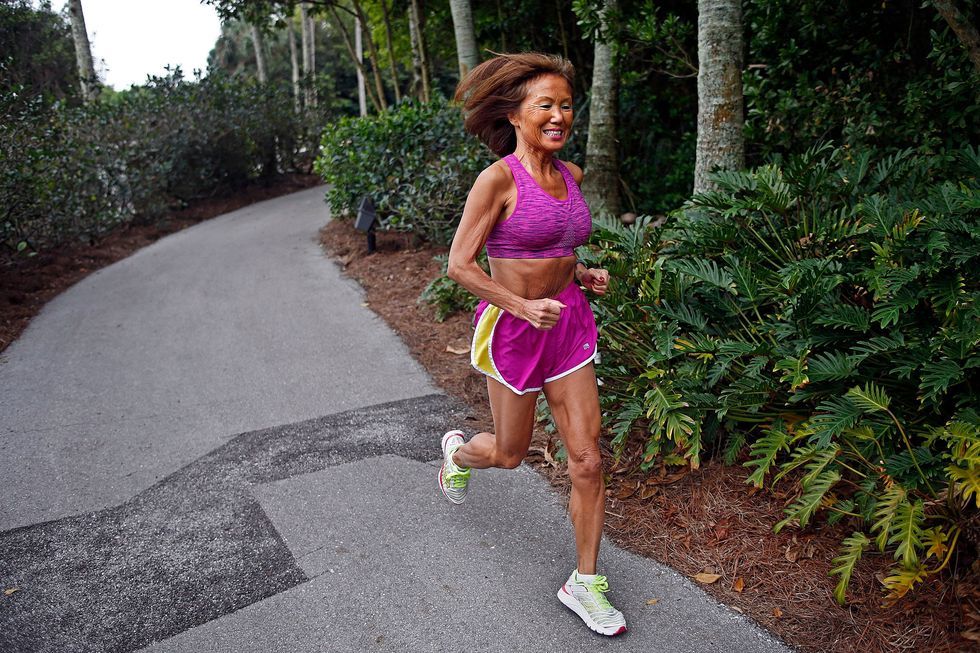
850, 553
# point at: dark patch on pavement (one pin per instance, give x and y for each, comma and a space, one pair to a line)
196, 545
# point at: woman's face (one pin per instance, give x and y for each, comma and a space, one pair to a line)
545, 118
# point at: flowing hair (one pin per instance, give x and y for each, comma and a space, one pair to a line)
496, 88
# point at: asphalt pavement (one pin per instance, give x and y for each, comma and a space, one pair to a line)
213, 445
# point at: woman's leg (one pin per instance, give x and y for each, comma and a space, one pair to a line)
513, 422
574, 402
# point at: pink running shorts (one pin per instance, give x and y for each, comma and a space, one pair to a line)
511, 351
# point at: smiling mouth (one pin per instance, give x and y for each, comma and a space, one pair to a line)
554, 133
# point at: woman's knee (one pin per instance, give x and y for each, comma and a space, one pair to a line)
585, 465
509, 459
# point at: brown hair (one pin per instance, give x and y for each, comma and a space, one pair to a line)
496, 88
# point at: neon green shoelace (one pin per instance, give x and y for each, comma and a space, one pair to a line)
598, 589
458, 478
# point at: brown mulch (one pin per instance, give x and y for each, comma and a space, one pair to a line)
28, 282
707, 521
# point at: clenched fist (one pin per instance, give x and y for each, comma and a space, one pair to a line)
543, 314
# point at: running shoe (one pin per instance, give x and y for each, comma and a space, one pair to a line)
588, 600
453, 479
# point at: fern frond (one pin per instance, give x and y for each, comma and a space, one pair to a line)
832, 366
966, 482
623, 422
811, 499
733, 444
799, 457
936, 378
935, 538
870, 399
885, 513
881, 344
850, 553
899, 584
794, 370
836, 414
846, 316
764, 452
705, 270
907, 533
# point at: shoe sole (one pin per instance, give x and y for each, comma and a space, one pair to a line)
572, 604
442, 487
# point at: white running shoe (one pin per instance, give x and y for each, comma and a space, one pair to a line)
588, 600
453, 479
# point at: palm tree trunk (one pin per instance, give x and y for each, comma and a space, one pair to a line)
721, 144
258, 45
83, 52
601, 183
465, 37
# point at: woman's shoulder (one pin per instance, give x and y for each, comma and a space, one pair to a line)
497, 175
576, 171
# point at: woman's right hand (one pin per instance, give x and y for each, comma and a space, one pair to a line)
543, 314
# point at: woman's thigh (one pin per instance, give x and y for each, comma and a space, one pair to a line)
574, 403
513, 418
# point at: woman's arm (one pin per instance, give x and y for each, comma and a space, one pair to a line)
595, 279
484, 205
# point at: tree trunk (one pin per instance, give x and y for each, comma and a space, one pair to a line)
308, 45
312, 22
391, 51
351, 50
500, 26
304, 27
721, 144
259, 46
561, 29
373, 53
359, 54
83, 52
419, 59
601, 183
465, 38
294, 62
961, 26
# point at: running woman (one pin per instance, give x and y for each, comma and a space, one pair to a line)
534, 328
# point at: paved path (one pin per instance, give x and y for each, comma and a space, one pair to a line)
213, 446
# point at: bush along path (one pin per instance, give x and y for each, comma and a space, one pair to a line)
810, 330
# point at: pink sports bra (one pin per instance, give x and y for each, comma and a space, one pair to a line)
541, 226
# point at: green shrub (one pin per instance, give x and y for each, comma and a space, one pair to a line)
73, 173
827, 316
414, 161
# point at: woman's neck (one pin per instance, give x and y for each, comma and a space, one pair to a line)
534, 161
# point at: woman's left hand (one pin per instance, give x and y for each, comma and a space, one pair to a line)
596, 280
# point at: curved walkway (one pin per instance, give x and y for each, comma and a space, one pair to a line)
213, 446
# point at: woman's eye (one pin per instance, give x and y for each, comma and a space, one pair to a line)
566, 107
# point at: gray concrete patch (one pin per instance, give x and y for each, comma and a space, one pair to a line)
193, 547
394, 567
236, 324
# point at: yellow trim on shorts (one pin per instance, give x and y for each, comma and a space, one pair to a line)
480, 350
